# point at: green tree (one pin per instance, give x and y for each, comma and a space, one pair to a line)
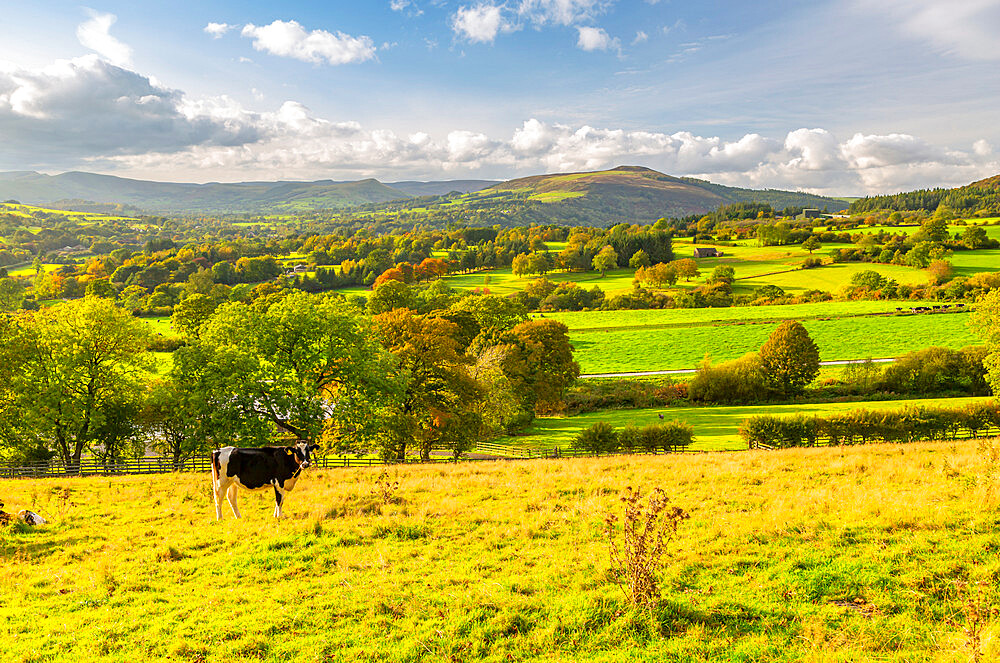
68, 367
495, 316
520, 265
722, 274
639, 259
598, 438
191, 313
789, 359
811, 244
390, 295
974, 237
11, 294
606, 258
300, 363
986, 323
935, 229
176, 419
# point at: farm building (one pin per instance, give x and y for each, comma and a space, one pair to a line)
810, 214
710, 252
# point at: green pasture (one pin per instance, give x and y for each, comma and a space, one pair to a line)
30, 271
715, 428
593, 320
663, 348
159, 325
503, 281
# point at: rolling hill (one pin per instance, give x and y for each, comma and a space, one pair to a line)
596, 198
171, 197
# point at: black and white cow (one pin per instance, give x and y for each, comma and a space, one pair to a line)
257, 469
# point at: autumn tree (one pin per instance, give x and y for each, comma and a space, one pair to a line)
435, 409
548, 366
789, 359
687, 268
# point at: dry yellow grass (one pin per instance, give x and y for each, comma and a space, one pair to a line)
841, 554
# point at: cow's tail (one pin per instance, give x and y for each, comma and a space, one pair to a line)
216, 468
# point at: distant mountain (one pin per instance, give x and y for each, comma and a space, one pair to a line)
626, 193
170, 197
637, 193
417, 189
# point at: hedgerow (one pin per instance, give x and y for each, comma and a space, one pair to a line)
911, 424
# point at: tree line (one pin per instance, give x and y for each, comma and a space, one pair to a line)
77, 378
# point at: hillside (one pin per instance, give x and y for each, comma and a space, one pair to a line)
172, 197
642, 194
981, 197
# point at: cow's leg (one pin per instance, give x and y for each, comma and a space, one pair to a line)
219, 488
278, 499
231, 495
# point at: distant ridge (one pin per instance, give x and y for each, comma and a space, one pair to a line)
632, 193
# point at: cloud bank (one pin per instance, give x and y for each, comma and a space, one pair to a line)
90, 114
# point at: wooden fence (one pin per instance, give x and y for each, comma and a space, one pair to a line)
161, 464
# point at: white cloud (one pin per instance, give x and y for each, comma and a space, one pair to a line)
479, 23
290, 39
95, 35
961, 28
218, 29
562, 12
595, 39
640, 37
74, 109
398, 5
483, 21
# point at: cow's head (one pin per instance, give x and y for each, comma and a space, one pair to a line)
303, 453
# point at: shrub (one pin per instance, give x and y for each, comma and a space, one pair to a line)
599, 438
165, 343
736, 381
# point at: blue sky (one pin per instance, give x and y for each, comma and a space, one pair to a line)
841, 96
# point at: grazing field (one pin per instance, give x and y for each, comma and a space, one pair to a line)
842, 554
657, 347
716, 428
590, 320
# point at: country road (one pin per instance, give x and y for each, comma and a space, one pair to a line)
681, 371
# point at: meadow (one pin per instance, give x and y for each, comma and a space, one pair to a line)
838, 554
659, 346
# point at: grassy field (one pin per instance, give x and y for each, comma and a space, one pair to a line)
659, 347
715, 428
844, 554
577, 320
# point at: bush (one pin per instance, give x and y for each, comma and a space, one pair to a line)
599, 438
938, 370
736, 381
165, 343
